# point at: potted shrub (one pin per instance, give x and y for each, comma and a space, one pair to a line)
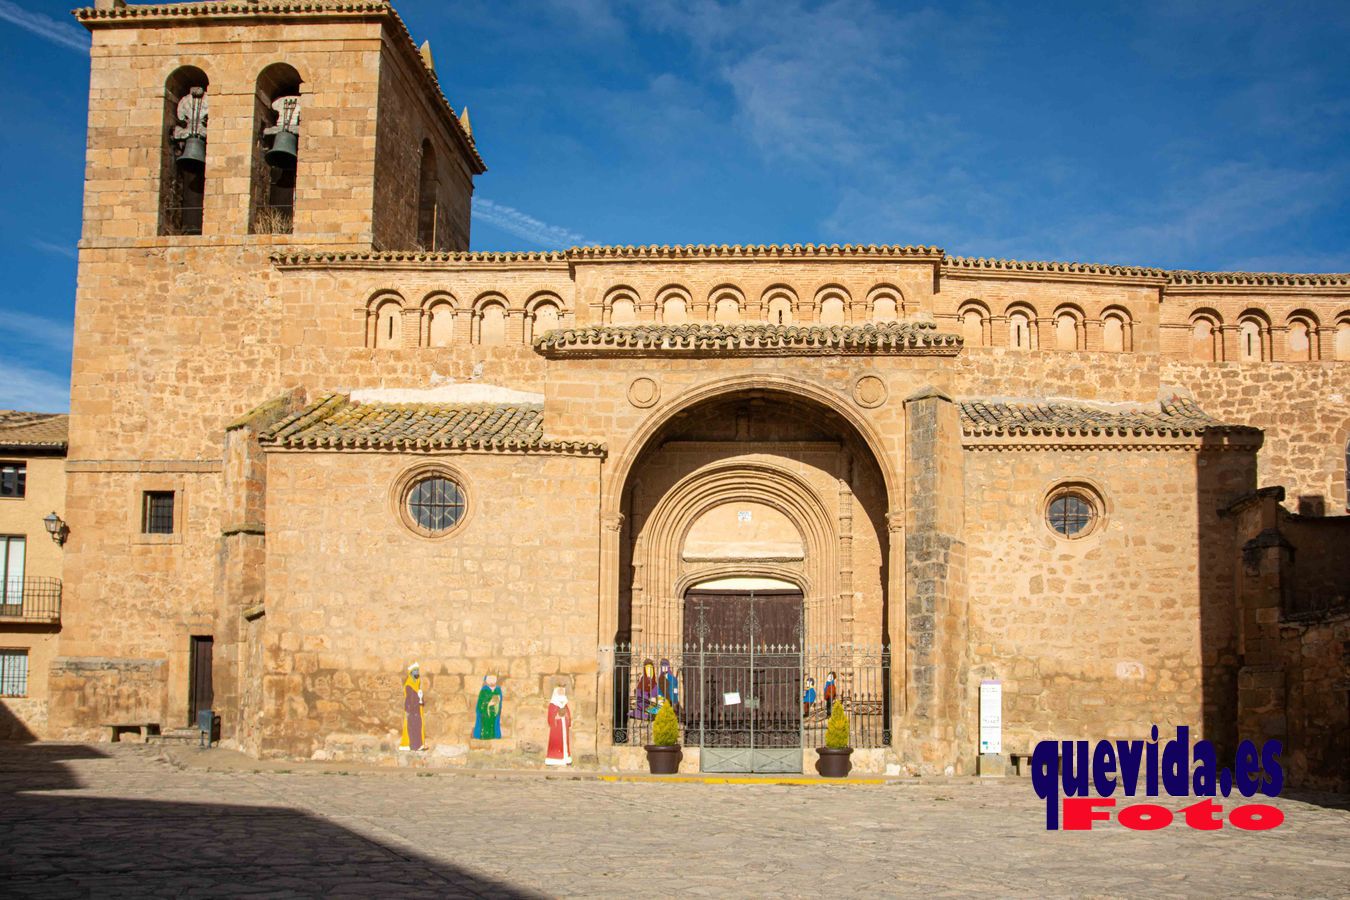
664, 752
834, 761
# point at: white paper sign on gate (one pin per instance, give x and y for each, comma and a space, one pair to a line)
991, 717
731, 699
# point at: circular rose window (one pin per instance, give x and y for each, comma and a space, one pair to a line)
434, 504
1073, 512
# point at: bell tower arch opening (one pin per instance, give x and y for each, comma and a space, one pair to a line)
754, 551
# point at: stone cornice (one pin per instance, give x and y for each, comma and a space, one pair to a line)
1024, 445
1194, 284
724, 252
375, 10
972, 267
1193, 443
1182, 277
965, 268
412, 259
894, 339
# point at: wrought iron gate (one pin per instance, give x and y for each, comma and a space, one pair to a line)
748, 690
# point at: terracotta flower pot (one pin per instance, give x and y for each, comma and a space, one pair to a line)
664, 759
834, 762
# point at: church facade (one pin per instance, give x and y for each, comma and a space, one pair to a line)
314, 439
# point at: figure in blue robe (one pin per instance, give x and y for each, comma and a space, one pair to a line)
668, 686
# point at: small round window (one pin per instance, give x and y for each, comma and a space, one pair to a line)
1072, 512
435, 504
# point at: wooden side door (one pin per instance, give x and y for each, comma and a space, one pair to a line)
200, 691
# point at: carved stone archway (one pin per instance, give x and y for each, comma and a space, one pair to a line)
663, 573
647, 548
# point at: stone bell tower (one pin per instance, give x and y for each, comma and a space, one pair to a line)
219, 133
317, 120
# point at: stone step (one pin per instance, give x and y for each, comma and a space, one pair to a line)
177, 736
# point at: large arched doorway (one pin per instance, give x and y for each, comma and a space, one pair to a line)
753, 582
744, 674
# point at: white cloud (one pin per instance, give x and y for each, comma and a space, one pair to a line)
525, 226
1206, 208
824, 84
45, 27
32, 389
66, 250
37, 331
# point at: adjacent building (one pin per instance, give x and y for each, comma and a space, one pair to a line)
32, 496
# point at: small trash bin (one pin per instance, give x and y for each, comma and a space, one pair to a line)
208, 724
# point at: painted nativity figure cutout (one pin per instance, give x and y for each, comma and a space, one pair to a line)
487, 723
645, 693
668, 687
559, 730
412, 710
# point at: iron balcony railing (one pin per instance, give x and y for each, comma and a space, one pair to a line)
33, 599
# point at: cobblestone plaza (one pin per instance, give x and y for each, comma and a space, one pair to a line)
78, 820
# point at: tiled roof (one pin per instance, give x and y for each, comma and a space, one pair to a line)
904, 338
92, 17
33, 430
335, 422
1177, 417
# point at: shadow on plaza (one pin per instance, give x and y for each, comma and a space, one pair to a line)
54, 843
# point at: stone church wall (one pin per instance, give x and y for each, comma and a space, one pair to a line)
354, 597
134, 600
1304, 409
1096, 637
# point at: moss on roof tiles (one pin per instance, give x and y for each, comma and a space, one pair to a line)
335, 423
1174, 416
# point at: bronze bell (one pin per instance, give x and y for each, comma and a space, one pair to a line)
283, 153
193, 156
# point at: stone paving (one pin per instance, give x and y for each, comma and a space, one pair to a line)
122, 820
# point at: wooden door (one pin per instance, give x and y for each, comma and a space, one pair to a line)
200, 692
742, 674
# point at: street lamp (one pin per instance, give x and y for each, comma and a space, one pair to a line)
55, 527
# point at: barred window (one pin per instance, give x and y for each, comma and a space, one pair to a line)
157, 513
1072, 513
13, 479
13, 673
436, 504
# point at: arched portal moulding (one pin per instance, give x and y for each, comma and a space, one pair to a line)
612, 499
658, 592
790, 574
616, 479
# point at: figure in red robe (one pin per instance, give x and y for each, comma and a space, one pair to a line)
559, 730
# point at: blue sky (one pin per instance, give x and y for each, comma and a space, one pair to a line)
1186, 135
